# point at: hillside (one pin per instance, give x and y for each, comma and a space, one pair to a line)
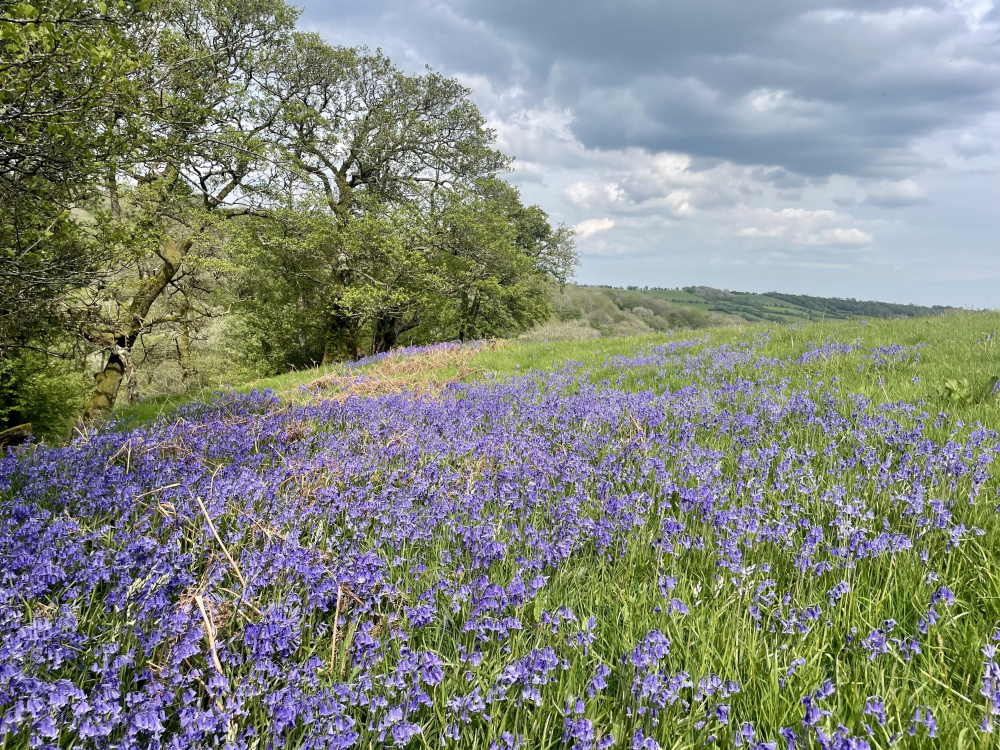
583, 312
787, 308
719, 539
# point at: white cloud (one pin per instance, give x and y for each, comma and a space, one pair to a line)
589, 195
590, 227
765, 99
758, 232
784, 138
972, 10
615, 193
677, 202
969, 146
581, 193
805, 227
837, 237
765, 204
897, 194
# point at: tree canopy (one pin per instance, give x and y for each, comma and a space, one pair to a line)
64, 73
201, 174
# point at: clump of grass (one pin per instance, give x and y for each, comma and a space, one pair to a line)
423, 373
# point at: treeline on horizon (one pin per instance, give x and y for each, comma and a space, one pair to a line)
192, 189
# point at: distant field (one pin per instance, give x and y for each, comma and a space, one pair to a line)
761, 533
586, 311
788, 308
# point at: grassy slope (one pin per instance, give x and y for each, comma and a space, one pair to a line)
957, 349
606, 309
285, 384
618, 590
617, 593
750, 307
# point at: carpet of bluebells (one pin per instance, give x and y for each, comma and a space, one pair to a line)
696, 545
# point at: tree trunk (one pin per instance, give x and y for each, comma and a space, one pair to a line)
341, 341
388, 328
119, 365
301, 307
188, 371
467, 330
15, 435
106, 384
131, 382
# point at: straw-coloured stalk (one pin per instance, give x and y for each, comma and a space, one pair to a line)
209, 631
225, 551
333, 646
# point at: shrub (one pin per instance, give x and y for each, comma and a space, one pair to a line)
47, 393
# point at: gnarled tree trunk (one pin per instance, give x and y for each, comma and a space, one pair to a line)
119, 365
108, 381
467, 328
183, 343
15, 435
388, 328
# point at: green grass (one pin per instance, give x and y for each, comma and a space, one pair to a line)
131, 415
957, 349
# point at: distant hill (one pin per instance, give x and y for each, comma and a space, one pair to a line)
788, 308
590, 311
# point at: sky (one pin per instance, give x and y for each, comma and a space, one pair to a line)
847, 149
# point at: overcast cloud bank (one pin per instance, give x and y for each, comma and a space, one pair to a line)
836, 148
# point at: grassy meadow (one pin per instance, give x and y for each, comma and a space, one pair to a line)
963, 349
759, 536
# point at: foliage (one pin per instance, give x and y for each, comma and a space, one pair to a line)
310, 282
633, 311
753, 536
45, 392
617, 312
221, 138
206, 155
63, 73
961, 391
419, 231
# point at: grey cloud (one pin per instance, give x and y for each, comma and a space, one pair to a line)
780, 178
781, 106
845, 201
852, 84
837, 103
893, 201
416, 33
